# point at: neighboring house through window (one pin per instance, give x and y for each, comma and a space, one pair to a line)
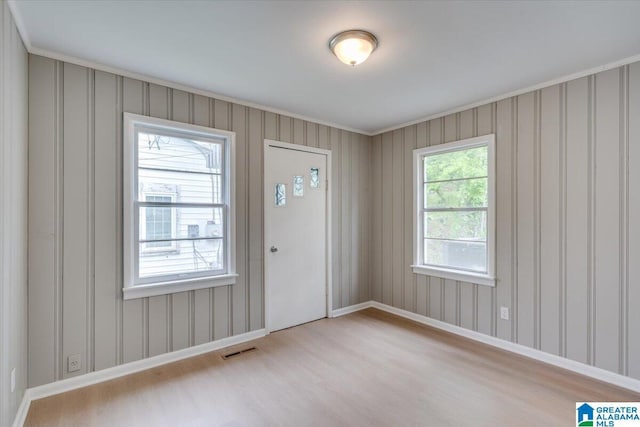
454, 212
160, 223
178, 203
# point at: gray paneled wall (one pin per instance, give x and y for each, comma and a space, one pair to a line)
568, 221
13, 216
75, 284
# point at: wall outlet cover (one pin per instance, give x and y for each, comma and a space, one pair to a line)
504, 313
73, 363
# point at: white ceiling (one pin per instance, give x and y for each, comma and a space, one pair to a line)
433, 56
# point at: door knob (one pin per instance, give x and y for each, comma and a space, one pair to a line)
273, 249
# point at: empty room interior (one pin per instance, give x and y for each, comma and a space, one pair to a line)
464, 177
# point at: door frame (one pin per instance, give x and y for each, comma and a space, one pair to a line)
328, 249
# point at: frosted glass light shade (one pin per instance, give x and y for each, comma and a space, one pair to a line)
353, 47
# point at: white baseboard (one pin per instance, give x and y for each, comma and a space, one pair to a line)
91, 378
351, 309
23, 409
562, 362
129, 368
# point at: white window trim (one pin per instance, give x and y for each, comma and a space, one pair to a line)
418, 267
131, 289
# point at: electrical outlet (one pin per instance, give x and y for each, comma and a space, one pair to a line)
73, 363
504, 313
13, 380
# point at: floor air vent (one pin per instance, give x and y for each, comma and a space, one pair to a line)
238, 353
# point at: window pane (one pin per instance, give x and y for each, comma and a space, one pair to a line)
458, 225
298, 186
167, 152
468, 163
280, 194
188, 187
468, 193
190, 256
314, 178
188, 223
456, 254
159, 222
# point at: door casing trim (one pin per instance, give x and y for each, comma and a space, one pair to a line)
329, 267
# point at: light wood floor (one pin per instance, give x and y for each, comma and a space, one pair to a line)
365, 369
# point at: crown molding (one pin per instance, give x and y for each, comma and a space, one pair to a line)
17, 18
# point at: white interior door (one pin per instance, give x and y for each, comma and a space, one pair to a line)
295, 236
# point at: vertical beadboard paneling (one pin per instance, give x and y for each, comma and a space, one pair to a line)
43, 220
632, 226
355, 220
336, 202
158, 306
202, 308
105, 214
422, 281
366, 240
607, 220
485, 309
386, 223
577, 172
298, 132
567, 209
623, 342
346, 174
311, 132
506, 256
179, 303
451, 288
158, 322
466, 301
239, 291
14, 200
397, 218
436, 292
75, 213
409, 291
285, 128
526, 188
271, 126
121, 331
132, 310
550, 185
179, 318
254, 234
221, 295
376, 209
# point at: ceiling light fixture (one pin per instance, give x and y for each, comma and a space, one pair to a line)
353, 47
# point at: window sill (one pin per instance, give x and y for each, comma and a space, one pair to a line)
480, 279
164, 288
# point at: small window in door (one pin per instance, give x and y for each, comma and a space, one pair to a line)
298, 186
314, 181
280, 194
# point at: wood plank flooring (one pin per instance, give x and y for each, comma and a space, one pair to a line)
368, 368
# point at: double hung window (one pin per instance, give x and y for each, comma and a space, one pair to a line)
454, 210
178, 207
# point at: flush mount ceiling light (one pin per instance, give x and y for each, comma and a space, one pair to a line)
353, 47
